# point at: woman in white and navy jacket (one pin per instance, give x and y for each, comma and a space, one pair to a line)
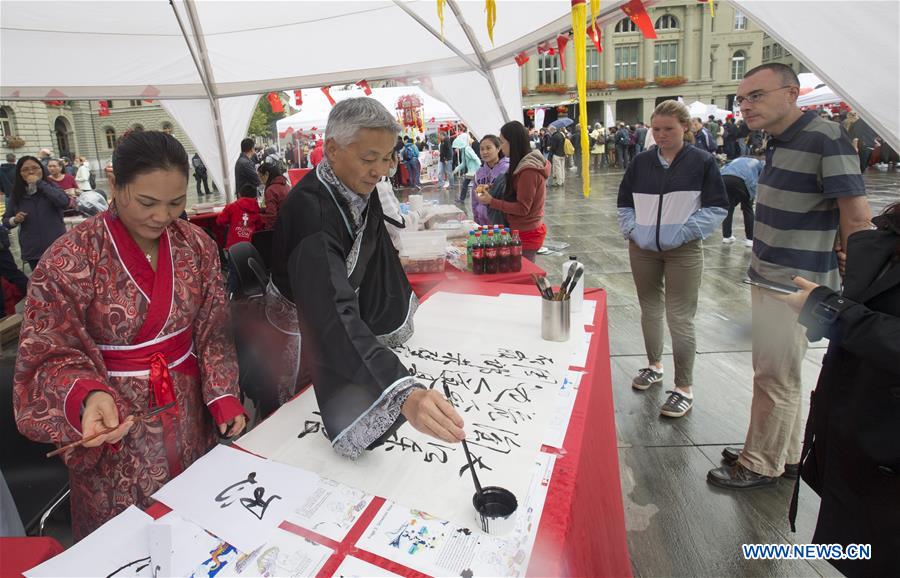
672, 197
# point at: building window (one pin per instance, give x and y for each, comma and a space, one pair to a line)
665, 59
740, 21
137, 128
666, 22
777, 51
626, 25
6, 127
738, 65
110, 137
626, 61
767, 53
548, 69
593, 64
167, 127
134, 103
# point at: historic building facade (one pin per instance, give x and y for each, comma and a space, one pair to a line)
695, 56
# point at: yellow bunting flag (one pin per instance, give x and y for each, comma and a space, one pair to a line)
490, 6
440, 7
595, 13
579, 31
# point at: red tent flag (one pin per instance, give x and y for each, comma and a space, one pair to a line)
593, 32
326, 90
365, 86
298, 97
275, 102
104, 108
521, 59
638, 14
561, 42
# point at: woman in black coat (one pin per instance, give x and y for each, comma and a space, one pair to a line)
851, 451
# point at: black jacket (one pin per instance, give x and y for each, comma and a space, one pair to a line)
44, 223
852, 446
558, 144
244, 172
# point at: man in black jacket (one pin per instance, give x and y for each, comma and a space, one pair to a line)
244, 169
557, 157
445, 176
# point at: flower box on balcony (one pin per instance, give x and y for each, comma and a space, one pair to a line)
14, 142
630, 83
597, 85
552, 88
669, 80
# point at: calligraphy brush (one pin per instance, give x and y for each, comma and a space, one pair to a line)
137, 418
537, 282
466, 449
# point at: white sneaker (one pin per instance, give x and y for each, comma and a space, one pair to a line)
728, 240
748, 242
446, 186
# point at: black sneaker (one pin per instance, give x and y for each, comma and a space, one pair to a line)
737, 477
646, 377
677, 405
730, 457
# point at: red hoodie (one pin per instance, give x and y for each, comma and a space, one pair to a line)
530, 178
242, 219
315, 157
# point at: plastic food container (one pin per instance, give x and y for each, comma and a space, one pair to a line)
423, 251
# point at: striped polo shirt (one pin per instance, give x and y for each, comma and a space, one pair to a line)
808, 167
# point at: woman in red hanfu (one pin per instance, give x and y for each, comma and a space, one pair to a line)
127, 312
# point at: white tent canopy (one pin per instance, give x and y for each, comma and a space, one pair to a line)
702, 111
240, 48
314, 112
821, 95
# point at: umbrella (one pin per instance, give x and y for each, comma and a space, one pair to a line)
562, 122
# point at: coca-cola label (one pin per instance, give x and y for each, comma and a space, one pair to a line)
477, 253
505, 251
491, 253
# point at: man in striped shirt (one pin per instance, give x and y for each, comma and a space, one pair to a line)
811, 197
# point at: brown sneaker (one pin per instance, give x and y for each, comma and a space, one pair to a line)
737, 477
730, 456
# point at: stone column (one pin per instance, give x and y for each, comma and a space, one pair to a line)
705, 43
531, 72
645, 62
690, 58
649, 104
568, 76
608, 70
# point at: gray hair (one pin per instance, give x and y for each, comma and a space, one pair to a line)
350, 116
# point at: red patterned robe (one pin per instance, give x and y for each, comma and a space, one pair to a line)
99, 318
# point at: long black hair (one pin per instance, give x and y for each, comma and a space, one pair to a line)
270, 170
516, 135
145, 151
890, 219
19, 183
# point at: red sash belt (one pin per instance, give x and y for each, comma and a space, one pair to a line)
153, 360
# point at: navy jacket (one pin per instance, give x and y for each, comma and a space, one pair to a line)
44, 223
662, 209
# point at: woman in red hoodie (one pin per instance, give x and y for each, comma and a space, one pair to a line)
241, 217
277, 189
526, 188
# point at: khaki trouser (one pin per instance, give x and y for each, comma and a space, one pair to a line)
779, 344
558, 169
668, 282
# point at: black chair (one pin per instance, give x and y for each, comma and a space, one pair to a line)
38, 485
262, 240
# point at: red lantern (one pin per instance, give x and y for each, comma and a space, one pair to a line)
530, 113
409, 106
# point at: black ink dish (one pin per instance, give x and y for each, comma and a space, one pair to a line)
495, 510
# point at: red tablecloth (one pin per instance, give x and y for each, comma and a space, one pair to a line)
582, 530
422, 283
18, 555
208, 221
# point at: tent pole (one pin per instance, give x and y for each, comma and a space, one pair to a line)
472, 64
479, 54
205, 71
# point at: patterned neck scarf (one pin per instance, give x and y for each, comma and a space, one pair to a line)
357, 203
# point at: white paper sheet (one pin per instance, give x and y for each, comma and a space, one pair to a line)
504, 383
562, 409
120, 547
580, 355
331, 509
189, 545
236, 496
355, 568
281, 553
441, 548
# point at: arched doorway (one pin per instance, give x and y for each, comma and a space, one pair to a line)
63, 133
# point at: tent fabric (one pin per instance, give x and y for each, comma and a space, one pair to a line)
821, 95
315, 109
851, 45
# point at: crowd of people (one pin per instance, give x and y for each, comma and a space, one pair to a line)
141, 319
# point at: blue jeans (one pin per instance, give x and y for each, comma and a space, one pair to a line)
446, 173
412, 168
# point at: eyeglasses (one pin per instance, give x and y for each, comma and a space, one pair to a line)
758, 95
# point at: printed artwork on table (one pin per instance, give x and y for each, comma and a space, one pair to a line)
282, 554
330, 509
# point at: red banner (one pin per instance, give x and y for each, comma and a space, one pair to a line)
593, 32
521, 59
638, 14
275, 102
298, 97
561, 42
326, 90
365, 86
104, 108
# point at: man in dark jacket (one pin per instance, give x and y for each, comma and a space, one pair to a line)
623, 140
557, 157
641, 134
200, 173
702, 139
729, 138
244, 169
445, 176
8, 175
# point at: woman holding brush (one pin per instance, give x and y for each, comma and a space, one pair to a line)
126, 313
